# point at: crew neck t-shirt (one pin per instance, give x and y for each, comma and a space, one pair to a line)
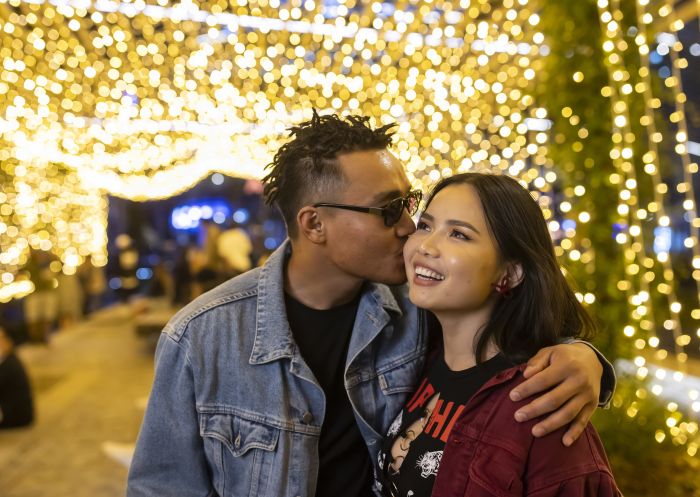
323, 338
412, 450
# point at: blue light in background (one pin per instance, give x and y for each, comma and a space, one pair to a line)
618, 228
188, 217
219, 217
568, 224
241, 216
271, 243
663, 236
655, 57
144, 273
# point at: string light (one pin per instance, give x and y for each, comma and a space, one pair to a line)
621, 90
690, 169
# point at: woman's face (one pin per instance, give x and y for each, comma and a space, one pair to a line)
452, 260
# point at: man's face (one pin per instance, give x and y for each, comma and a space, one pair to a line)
360, 243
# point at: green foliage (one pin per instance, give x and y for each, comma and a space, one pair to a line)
573, 34
643, 467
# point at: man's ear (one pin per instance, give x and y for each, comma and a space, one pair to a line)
310, 225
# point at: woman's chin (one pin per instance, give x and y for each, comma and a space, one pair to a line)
419, 298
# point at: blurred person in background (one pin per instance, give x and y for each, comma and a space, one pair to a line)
94, 284
40, 306
16, 405
70, 298
203, 276
128, 260
234, 250
162, 283
182, 277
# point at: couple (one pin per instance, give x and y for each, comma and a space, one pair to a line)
315, 374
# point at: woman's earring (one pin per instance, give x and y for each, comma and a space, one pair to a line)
502, 287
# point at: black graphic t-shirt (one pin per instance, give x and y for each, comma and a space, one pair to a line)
412, 450
323, 337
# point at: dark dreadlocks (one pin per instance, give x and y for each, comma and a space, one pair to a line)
305, 169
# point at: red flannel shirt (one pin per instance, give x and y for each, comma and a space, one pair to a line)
489, 454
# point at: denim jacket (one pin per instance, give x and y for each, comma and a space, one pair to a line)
235, 410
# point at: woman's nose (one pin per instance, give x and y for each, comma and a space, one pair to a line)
428, 247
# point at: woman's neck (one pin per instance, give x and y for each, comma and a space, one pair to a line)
460, 334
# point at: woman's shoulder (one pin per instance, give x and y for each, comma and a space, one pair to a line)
544, 461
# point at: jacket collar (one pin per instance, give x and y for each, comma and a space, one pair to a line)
273, 337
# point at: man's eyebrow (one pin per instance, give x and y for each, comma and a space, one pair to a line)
453, 222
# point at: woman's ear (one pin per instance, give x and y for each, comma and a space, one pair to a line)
515, 274
310, 225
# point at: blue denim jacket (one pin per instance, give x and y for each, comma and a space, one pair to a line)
234, 409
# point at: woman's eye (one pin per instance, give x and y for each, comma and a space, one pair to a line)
460, 235
422, 226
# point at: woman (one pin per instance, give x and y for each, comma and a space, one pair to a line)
482, 262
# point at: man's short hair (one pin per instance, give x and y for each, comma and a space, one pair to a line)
306, 169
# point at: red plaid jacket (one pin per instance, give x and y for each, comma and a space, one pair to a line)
489, 454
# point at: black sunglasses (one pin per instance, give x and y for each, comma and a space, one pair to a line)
391, 212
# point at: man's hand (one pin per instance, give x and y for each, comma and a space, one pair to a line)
573, 373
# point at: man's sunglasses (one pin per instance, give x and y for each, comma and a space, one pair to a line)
391, 212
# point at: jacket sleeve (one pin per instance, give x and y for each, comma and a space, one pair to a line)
608, 381
169, 459
581, 470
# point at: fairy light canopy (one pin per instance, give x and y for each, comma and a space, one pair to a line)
142, 100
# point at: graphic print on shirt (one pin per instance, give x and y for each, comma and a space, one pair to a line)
413, 456
395, 426
429, 463
410, 433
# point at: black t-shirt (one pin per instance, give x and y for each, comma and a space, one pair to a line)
412, 450
323, 337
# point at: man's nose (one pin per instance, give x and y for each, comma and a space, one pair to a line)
405, 226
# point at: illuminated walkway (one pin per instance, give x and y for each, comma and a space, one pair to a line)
90, 387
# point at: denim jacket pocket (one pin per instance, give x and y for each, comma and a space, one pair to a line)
401, 378
240, 452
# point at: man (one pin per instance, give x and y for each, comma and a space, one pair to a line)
282, 381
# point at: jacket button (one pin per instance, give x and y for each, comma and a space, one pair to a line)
237, 442
307, 418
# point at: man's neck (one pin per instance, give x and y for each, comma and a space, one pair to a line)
316, 282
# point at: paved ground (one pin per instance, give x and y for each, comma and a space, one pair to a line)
90, 387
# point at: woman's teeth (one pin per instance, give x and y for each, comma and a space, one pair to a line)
426, 273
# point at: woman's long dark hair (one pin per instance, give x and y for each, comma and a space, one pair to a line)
543, 308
